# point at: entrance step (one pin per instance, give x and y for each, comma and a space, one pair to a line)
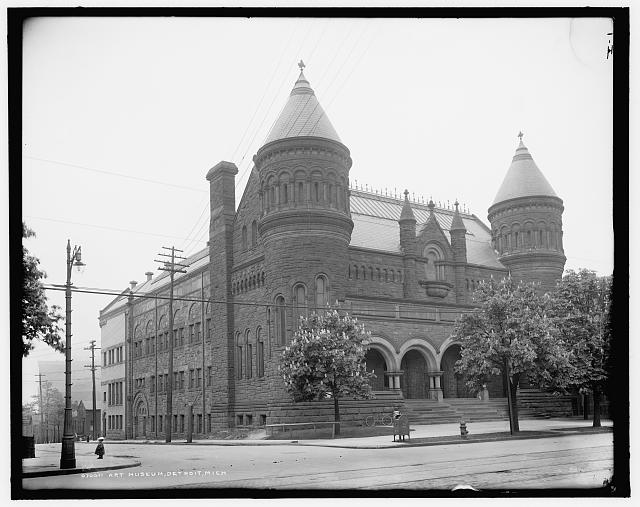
536, 403
388, 395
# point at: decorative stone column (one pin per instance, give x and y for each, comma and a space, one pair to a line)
435, 390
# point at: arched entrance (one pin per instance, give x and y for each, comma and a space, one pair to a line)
414, 381
140, 420
453, 385
375, 363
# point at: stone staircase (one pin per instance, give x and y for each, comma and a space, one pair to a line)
537, 404
532, 403
430, 412
473, 409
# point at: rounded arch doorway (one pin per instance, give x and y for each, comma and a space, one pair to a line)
453, 384
375, 363
140, 420
414, 381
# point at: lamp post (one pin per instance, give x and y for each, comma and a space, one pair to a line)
68, 454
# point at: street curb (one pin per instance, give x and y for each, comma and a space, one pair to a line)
458, 440
453, 439
68, 471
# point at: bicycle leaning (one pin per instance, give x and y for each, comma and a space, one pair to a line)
378, 420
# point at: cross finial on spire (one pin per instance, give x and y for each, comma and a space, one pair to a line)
520, 134
301, 65
406, 194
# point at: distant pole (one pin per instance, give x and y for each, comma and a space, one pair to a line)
93, 379
172, 267
40, 375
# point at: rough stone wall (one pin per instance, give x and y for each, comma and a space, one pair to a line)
375, 274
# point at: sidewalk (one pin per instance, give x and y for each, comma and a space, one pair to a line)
448, 433
47, 461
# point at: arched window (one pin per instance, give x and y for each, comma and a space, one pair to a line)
249, 351
244, 238
285, 194
238, 356
280, 321
254, 234
364, 273
322, 294
300, 303
433, 253
356, 270
259, 353
316, 187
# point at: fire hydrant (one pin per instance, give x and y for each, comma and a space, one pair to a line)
463, 429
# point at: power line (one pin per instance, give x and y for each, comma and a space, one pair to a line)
116, 229
112, 292
112, 173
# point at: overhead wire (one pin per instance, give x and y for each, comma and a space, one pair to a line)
283, 82
116, 229
113, 173
139, 295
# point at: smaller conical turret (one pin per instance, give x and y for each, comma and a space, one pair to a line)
456, 223
407, 223
526, 223
407, 210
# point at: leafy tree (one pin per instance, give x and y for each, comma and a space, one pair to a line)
39, 322
326, 359
580, 310
510, 335
52, 408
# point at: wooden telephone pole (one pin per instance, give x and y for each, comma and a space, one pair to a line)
172, 267
93, 348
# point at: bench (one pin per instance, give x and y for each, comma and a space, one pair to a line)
292, 426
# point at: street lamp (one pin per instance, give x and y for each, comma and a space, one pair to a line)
68, 454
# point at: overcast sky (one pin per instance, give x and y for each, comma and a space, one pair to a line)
123, 117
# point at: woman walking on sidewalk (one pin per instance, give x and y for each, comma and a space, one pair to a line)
100, 448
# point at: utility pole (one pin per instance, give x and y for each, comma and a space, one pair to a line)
40, 375
172, 267
93, 348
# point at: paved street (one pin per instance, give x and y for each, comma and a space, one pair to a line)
559, 462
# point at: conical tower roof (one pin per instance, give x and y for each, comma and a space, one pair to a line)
407, 212
302, 115
523, 178
456, 222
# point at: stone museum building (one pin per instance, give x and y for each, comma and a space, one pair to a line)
301, 237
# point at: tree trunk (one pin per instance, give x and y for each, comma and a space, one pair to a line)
514, 401
336, 410
596, 407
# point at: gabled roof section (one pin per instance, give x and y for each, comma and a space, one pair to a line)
375, 218
523, 178
302, 116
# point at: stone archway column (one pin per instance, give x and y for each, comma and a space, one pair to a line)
435, 389
394, 379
